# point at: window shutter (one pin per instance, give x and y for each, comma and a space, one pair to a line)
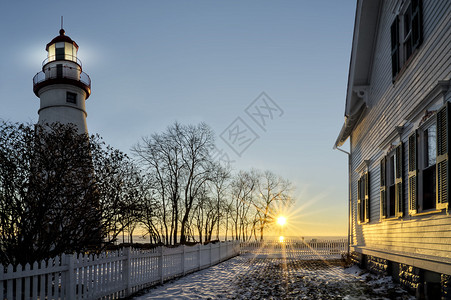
442, 168
417, 26
398, 181
383, 192
367, 197
395, 47
359, 208
413, 174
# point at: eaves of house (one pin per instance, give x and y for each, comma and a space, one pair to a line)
364, 39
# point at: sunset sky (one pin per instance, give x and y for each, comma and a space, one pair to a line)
156, 62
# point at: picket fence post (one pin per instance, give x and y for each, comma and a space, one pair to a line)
211, 259
127, 271
70, 276
160, 265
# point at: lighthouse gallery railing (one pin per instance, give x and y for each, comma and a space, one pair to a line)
65, 74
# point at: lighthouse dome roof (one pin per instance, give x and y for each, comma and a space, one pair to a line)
61, 38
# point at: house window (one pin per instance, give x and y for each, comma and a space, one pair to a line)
71, 97
406, 34
427, 168
429, 165
363, 205
391, 191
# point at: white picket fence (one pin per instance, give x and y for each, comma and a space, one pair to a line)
296, 249
111, 275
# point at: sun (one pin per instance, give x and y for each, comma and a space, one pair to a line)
281, 221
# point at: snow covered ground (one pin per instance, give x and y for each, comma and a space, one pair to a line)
248, 277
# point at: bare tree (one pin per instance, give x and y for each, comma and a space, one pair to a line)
179, 158
151, 216
205, 215
196, 142
198, 215
227, 209
273, 191
218, 183
132, 199
243, 187
162, 156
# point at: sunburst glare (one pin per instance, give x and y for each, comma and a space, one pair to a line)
281, 220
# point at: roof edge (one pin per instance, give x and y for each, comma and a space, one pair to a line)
349, 124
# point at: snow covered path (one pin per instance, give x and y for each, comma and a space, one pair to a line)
247, 277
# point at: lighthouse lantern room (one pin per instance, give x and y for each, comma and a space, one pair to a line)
62, 86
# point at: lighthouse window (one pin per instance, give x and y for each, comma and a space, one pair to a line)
71, 97
59, 51
70, 52
52, 52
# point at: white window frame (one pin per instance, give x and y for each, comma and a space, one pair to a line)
416, 157
422, 166
403, 39
395, 196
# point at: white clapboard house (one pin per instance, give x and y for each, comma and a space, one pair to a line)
397, 122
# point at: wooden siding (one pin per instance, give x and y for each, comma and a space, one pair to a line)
389, 104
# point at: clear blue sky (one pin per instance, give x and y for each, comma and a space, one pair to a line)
155, 62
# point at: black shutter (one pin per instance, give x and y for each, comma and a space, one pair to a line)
395, 47
417, 24
359, 201
367, 196
413, 192
383, 189
442, 168
398, 181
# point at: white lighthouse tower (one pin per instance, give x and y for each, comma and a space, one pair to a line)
62, 86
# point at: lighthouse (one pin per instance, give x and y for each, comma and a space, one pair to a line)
62, 86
